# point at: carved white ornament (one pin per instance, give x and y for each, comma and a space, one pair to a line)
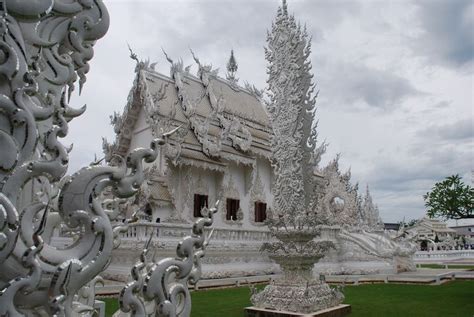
230, 191
296, 196
45, 47
340, 202
257, 194
230, 129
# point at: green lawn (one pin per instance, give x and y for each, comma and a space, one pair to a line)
450, 266
388, 300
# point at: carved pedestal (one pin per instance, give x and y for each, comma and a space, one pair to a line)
282, 295
297, 291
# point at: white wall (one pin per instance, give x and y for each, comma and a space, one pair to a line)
187, 181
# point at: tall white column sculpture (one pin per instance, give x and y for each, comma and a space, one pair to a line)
296, 217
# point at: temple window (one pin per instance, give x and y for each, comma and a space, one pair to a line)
200, 201
232, 208
260, 211
148, 210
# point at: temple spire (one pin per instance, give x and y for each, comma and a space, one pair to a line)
284, 6
232, 67
291, 107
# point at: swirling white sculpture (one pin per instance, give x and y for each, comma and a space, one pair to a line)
162, 288
45, 47
297, 215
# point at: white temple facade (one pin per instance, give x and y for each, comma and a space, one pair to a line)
219, 151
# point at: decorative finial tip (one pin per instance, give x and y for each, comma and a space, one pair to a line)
284, 6
232, 66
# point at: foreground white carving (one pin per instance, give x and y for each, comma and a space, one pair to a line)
297, 198
45, 47
162, 287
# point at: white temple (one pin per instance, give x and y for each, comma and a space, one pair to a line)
221, 148
220, 152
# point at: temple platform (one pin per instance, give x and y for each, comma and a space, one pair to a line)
337, 311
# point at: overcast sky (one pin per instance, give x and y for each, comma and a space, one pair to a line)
395, 80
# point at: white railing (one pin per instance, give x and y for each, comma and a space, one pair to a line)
444, 255
166, 231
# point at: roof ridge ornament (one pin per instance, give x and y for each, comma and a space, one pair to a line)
140, 64
232, 68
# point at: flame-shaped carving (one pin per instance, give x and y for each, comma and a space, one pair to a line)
163, 287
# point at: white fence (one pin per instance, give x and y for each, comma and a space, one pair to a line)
443, 255
141, 231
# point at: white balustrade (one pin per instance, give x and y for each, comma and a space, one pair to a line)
164, 231
444, 255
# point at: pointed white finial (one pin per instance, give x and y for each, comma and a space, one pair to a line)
285, 7
231, 67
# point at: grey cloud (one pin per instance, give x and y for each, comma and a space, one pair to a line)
324, 13
378, 89
399, 181
447, 31
206, 24
396, 206
211, 28
460, 130
423, 164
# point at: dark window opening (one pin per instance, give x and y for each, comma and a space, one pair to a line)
148, 210
232, 208
200, 201
260, 211
424, 245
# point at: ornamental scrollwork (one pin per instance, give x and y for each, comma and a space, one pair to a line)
232, 129
45, 49
340, 202
162, 287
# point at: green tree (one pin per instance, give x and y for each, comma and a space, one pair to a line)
450, 199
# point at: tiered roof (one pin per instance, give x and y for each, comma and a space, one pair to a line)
219, 120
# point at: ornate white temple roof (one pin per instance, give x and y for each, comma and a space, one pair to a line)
238, 100
220, 121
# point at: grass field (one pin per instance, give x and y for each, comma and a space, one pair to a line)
388, 300
450, 266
